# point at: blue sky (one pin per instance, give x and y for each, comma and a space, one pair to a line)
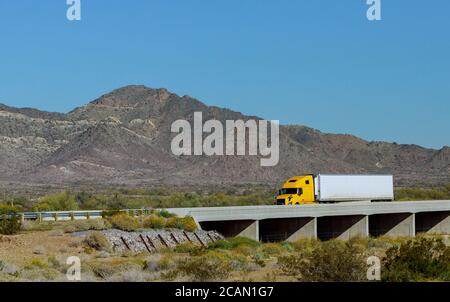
319, 63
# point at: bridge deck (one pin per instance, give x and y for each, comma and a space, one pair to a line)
315, 210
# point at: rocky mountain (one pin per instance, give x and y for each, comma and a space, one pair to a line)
124, 137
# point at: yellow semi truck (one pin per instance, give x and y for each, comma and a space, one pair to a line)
324, 188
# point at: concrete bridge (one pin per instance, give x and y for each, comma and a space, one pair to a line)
325, 221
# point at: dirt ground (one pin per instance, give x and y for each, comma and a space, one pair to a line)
26, 247
20, 249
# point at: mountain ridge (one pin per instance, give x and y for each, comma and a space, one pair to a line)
124, 137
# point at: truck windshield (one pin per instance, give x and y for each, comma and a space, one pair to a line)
288, 191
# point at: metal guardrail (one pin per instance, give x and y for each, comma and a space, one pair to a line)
77, 215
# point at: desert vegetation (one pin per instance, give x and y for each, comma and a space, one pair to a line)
419, 259
38, 250
120, 221
434, 193
9, 220
136, 199
11, 223
165, 197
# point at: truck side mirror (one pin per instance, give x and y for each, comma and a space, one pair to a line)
300, 191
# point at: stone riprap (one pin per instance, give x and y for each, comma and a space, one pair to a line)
153, 240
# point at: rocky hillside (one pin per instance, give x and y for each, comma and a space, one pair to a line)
124, 138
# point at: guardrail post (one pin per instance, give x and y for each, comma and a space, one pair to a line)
40, 217
72, 216
88, 216
55, 215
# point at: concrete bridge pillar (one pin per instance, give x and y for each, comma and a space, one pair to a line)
342, 227
234, 228
394, 225
289, 229
433, 222
250, 231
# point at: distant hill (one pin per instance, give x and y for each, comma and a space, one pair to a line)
124, 137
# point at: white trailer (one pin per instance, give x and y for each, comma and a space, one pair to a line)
339, 188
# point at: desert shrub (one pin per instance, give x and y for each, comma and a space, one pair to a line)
291, 264
233, 243
28, 225
260, 258
10, 222
110, 213
98, 241
154, 222
98, 224
107, 269
174, 223
379, 243
157, 263
36, 263
75, 226
165, 263
272, 249
208, 267
102, 255
8, 269
306, 244
87, 225
183, 223
124, 222
418, 259
152, 263
189, 224
187, 247
244, 250
165, 214
238, 261
57, 202
67, 226
287, 246
361, 241
53, 262
331, 261
102, 270
37, 226
21, 202
2, 265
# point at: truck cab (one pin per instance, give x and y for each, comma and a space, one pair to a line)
297, 190
331, 188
